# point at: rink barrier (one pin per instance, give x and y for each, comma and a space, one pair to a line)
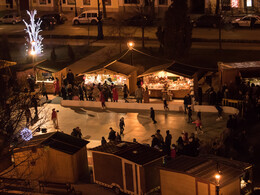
175, 106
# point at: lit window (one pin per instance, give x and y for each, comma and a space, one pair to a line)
86, 2
131, 1
42, 2
249, 3
71, 2
163, 2
235, 3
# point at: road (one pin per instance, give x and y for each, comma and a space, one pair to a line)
110, 30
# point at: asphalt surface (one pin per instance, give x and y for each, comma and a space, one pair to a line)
68, 29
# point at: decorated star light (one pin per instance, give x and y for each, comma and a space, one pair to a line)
34, 39
26, 134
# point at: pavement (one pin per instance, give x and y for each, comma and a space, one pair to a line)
95, 123
69, 31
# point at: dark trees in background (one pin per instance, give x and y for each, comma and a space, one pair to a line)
177, 30
71, 53
4, 49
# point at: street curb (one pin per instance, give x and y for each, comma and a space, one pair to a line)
134, 38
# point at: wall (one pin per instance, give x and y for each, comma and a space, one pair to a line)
176, 183
45, 164
231, 189
107, 169
6, 6
80, 162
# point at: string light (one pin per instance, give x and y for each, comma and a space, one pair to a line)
26, 134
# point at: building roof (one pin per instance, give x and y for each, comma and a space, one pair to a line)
4, 64
56, 140
206, 167
240, 65
175, 68
134, 152
114, 66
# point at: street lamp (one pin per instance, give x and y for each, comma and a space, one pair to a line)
217, 178
131, 45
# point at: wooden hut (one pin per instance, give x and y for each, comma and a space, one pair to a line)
127, 167
51, 157
196, 176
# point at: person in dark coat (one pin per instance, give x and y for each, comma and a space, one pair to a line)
70, 92
168, 142
152, 115
189, 114
35, 104
122, 125
81, 93
200, 95
70, 77
63, 92
126, 92
103, 141
112, 135
118, 137
185, 102
155, 142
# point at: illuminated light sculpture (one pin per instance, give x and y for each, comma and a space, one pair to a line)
26, 134
33, 29
234, 3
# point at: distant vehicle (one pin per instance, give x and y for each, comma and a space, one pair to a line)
139, 20
207, 21
90, 16
48, 23
247, 21
10, 19
60, 18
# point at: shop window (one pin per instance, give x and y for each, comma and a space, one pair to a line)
49, 1
42, 2
71, 2
163, 2
249, 3
108, 2
86, 2
131, 1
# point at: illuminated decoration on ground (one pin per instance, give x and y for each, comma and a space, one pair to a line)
33, 29
26, 134
234, 3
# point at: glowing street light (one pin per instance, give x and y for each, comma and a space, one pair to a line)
217, 178
32, 52
130, 45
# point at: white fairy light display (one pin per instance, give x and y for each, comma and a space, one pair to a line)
26, 134
33, 29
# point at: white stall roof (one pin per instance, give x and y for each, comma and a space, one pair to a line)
240, 65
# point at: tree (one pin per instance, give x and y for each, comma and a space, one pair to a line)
104, 8
71, 53
177, 30
53, 55
13, 103
18, 7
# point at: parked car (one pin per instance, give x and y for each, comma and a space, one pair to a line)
90, 16
11, 19
247, 21
48, 23
60, 18
139, 20
207, 21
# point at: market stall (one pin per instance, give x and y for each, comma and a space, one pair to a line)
245, 71
163, 79
116, 73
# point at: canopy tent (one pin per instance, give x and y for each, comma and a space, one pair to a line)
4, 64
230, 71
174, 68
